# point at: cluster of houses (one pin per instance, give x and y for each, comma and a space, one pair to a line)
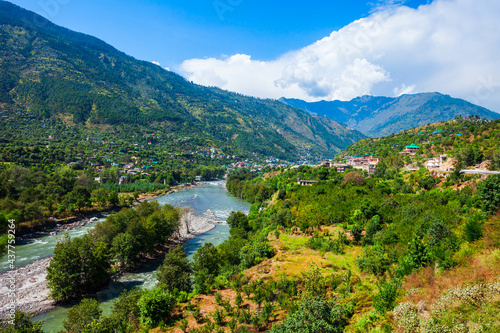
366, 162
211, 153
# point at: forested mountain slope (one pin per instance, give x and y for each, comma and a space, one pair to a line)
52, 72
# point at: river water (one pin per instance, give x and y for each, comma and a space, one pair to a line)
208, 196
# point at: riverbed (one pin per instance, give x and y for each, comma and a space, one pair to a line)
208, 201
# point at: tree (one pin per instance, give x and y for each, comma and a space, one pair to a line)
99, 196
419, 253
79, 196
126, 249
386, 298
427, 183
474, 227
79, 266
206, 265
356, 233
81, 315
496, 159
63, 273
490, 194
238, 220
23, 323
156, 305
466, 156
374, 225
113, 198
353, 178
314, 282
126, 309
315, 314
175, 273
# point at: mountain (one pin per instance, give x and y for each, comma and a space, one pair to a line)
51, 72
380, 116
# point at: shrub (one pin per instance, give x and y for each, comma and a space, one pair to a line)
315, 314
155, 306
22, 323
356, 233
473, 229
386, 298
79, 316
490, 194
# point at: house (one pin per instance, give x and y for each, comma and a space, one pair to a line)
369, 168
411, 149
341, 167
435, 163
197, 178
306, 182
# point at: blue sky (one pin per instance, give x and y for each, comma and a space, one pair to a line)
173, 31
312, 50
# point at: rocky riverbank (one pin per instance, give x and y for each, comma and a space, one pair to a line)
32, 292
31, 288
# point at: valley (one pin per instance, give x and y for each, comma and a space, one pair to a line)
216, 211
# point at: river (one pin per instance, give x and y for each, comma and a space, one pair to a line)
208, 196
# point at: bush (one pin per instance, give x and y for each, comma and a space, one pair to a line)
386, 298
473, 229
374, 260
79, 316
490, 194
22, 324
155, 306
315, 314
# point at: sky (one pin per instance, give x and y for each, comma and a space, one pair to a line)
312, 50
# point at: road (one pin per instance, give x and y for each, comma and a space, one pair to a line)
480, 172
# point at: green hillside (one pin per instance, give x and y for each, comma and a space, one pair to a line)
471, 140
52, 73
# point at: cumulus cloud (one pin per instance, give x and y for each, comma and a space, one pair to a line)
450, 46
156, 63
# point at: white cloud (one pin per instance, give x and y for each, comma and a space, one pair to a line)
450, 46
156, 63
404, 89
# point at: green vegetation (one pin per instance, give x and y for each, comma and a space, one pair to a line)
469, 140
21, 323
83, 265
349, 253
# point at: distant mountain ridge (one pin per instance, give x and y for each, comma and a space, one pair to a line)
53, 72
381, 116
